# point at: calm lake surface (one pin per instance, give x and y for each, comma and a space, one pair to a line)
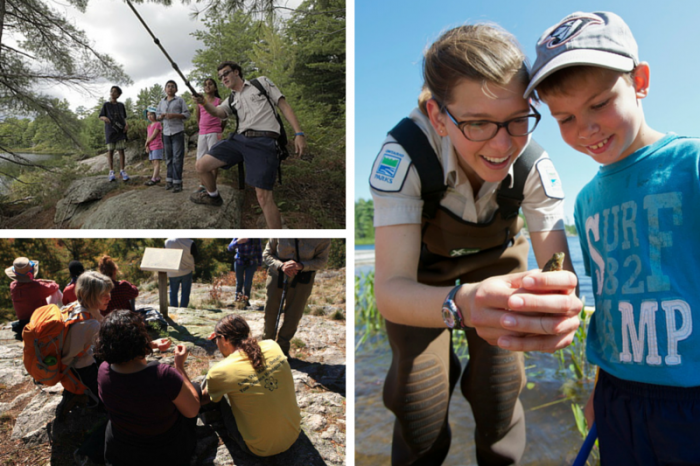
552, 437
13, 169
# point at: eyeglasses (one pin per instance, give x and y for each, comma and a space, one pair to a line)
218, 336
483, 130
224, 74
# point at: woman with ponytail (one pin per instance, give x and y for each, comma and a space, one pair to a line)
255, 381
123, 292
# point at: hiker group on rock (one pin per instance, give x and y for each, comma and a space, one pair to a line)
96, 346
257, 144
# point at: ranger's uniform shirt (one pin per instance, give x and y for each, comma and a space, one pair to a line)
396, 187
254, 111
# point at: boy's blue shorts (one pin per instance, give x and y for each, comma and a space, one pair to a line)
155, 154
644, 424
258, 154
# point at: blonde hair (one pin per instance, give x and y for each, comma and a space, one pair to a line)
90, 287
484, 53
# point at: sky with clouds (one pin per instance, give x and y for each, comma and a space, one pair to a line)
115, 30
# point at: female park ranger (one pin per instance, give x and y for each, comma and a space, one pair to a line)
447, 186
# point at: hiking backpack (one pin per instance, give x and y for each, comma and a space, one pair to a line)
282, 141
44, 337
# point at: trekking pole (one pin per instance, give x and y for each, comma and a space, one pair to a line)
155, 39
284, 294
582, 456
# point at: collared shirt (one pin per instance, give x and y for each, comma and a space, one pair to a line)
313, 253
28, 296
397, 199
254, 111
248, 253
175, 105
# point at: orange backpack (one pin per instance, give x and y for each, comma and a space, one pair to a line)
43, 337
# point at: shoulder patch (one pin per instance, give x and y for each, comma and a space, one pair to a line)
550, 179
390, 168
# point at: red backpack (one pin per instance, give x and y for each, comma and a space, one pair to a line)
43, 337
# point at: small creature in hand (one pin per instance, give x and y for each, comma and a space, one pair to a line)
554, 264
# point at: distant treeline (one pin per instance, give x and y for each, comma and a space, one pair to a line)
55, 254
364, 217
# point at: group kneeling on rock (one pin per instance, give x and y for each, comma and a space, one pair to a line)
152, 407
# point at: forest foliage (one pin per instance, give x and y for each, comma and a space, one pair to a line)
54, 255
364, 218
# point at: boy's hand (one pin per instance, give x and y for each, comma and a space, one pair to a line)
527, 311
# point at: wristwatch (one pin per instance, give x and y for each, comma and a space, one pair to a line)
451, 313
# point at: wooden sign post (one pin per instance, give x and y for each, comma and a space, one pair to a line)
162, 261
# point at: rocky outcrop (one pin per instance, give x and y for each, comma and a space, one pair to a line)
319, 377
135, 206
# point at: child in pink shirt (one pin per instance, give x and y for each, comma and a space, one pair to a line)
210, 127
154, 145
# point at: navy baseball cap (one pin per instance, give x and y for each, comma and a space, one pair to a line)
594, 39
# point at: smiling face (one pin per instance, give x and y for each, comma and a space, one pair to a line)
602, 117
209, 87
485, 160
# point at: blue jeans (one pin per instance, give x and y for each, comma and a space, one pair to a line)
174, 146
175, 282
244, 278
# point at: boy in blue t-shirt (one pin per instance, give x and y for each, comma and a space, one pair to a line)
638, 224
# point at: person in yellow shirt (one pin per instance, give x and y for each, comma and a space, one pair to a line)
255, 386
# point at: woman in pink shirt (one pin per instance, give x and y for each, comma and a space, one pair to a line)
154, 145
210, 127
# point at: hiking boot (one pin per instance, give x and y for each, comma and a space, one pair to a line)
177, 188
124, 176
111, 176
205, 198
168, 185
201, 189
152, 182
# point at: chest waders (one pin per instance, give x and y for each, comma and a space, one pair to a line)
424, 369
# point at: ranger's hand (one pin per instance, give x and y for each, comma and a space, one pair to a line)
527, 311
300, 145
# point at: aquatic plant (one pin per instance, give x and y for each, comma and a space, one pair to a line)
368, 320
594, 456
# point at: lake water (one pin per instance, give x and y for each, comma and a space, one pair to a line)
552, 438
14, 169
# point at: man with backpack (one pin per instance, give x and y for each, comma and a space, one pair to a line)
259, 140
28, 292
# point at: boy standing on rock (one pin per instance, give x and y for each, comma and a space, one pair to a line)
113, 114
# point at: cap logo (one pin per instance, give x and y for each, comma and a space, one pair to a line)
569, 29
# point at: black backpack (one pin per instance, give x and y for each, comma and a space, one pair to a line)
282, 152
